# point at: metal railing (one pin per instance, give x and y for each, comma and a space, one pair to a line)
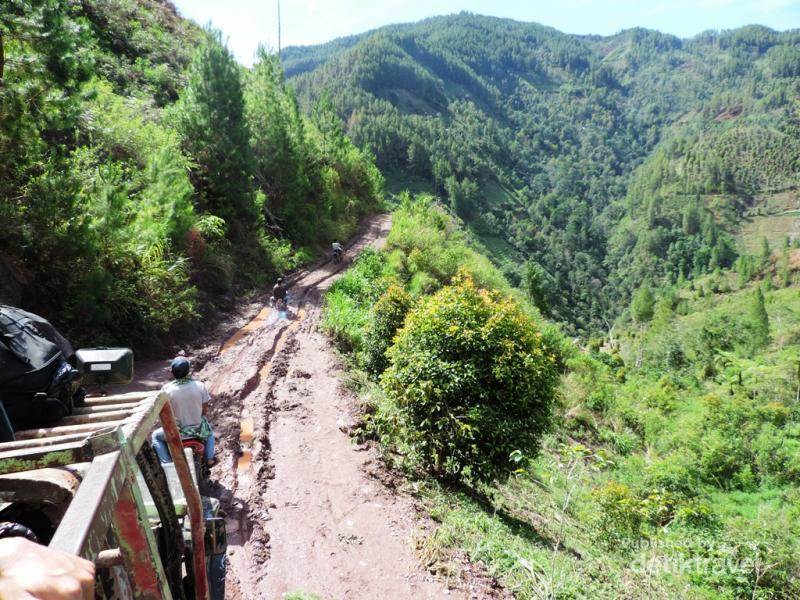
109, 434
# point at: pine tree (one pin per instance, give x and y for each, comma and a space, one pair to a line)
535, 285
759, 320
766, 253
691, 219
643, 304
280, 148
211, 118
41, 68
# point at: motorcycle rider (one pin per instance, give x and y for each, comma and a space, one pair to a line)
279, 294
189, 399
337, 251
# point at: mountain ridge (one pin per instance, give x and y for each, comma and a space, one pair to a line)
502, 117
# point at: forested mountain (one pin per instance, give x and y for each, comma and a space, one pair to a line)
642, 180
586, 164
145, 176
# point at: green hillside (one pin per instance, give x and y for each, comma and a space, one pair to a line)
640, 190
599, 144
147, 179
669, 460
580, 344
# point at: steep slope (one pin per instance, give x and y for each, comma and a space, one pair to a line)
671, 464
537, 137
147, 179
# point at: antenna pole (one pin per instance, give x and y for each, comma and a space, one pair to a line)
279, 30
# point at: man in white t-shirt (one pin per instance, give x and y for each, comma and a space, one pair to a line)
189, 399
337, 250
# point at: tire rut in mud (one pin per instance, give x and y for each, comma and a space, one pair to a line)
237, 487
243, 375
309, 513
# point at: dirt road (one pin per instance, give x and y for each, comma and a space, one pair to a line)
304, 513
307, 510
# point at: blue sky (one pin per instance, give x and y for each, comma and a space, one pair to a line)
248, 22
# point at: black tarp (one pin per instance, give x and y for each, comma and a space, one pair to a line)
29, 345
33, 356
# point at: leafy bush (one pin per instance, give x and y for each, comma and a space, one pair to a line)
345, 320
388, 315
623, 442
620, 513
752, 559
590, 382
106, 226
676, 473
434, 248
474, 378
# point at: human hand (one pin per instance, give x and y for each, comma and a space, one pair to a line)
29, 571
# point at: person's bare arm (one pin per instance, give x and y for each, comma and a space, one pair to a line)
206, 400
29, 571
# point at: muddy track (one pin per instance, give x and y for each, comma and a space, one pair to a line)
306, 508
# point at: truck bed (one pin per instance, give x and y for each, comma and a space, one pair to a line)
94, 475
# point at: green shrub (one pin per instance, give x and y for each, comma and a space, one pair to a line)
363, 282
676, 473
388, 315
771, 455
725, 462
216, 269
660, 395
623, 442
422, 283
474, 378
435, 248
344, 320
752, 559
592, 380
696, 513
619, 513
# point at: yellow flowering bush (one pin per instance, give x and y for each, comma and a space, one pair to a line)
473, 377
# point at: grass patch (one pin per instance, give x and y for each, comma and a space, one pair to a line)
496, 195
302, 596
776, 228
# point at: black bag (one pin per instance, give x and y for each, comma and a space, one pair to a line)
37, 384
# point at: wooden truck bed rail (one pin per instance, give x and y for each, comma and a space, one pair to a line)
109, 433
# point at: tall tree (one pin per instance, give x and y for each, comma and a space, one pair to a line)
211, 119
766, 253
277, 136
535, 285
759, 320
41, 66
643, 304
